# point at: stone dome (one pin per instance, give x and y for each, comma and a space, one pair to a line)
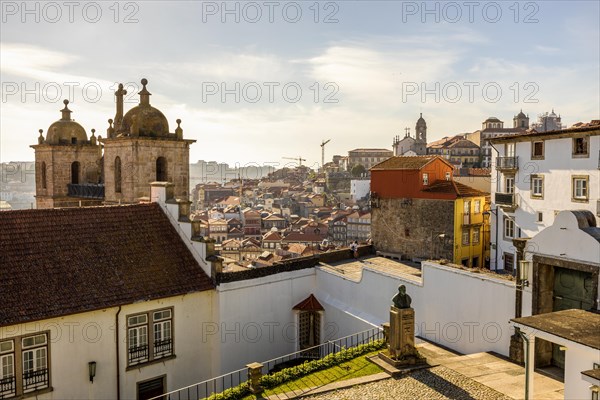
521, 115
149, 120
65, 130
421, 120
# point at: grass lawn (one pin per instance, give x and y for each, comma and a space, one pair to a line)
354, 368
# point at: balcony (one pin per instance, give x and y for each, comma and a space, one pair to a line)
8, 387
506, 200
86, 190
34, 380
507, 163
472, 219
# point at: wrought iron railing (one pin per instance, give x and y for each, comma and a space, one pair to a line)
86, 190
138, 354
163, 348
34, 380
505, 199
507, 162
221, 383
8, 387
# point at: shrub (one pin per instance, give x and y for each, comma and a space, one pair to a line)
308, 367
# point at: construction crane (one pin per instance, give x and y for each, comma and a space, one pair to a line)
299, 159
323, 152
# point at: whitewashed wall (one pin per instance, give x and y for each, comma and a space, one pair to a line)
256, 319
464, 311
78, 339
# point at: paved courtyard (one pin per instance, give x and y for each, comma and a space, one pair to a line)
474, 376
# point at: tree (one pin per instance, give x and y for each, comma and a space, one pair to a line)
358, 170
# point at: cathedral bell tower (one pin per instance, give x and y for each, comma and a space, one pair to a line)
139, 150
67, 165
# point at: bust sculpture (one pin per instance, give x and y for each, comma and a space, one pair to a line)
401, 299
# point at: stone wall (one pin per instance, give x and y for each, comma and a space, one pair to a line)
412, 227
138, 167
58, 160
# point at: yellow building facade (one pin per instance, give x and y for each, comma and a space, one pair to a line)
471, 231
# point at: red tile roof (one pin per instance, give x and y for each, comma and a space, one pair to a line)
406, 162
309, 304
453, 187
57, 262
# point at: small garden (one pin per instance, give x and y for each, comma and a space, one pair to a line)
345, 364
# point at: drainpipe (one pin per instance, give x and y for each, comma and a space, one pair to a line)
117, 342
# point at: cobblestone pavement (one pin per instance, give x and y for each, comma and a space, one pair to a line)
434, 383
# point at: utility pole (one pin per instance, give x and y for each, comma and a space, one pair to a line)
323, 143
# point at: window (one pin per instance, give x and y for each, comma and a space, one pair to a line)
448, 176
43, 175
509, 228
161, 169
117, 175
476, 236
425, 179
537, 149
8, 384
537, 186
145, 345
466, 237
34, 374
509, 184
75, 173
466, 207
477, 206
580, 188
580, 146
540, 216
509, 261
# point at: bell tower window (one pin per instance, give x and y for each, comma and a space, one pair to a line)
118, 175
161, 169
75, 173
43, 175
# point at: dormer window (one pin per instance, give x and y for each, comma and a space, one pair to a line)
73, 140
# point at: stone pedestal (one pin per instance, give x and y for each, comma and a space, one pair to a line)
401, 343
254, 375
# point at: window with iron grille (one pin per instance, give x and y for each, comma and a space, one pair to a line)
33, 374
149, 336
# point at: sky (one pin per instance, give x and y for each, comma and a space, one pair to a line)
254, 82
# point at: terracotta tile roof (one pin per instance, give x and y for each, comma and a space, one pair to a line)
309, 304
272, 236
405, 162
453, 187
302, 237
593, 125
57, 262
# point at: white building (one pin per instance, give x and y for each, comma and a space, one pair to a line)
536, 176
110, 287
359, 188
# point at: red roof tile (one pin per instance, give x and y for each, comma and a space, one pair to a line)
406, 162
57, 262
453, 187
309, 304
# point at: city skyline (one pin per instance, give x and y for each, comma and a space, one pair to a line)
365, 70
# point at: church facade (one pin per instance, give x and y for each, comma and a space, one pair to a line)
409, 145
